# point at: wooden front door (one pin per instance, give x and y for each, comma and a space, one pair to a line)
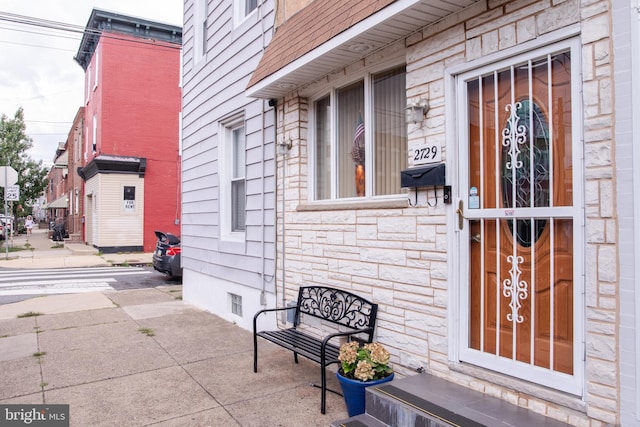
520, 214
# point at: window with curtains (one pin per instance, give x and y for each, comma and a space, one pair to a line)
360, 138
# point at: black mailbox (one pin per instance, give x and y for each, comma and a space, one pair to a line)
423, 176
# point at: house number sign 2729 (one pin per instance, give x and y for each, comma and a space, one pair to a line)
426, 153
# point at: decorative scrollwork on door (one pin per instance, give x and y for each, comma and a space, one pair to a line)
514, 135
515, 289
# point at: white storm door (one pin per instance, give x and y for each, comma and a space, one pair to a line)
520, 217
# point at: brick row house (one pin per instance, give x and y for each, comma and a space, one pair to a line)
64, 194
130, 158
57, 207
467, 165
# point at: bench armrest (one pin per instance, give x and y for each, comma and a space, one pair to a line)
341, 334
266, 310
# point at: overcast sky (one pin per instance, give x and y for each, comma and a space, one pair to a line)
37, 71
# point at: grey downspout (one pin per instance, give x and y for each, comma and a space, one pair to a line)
274, 103
263, 298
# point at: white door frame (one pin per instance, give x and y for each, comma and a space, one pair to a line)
458, 174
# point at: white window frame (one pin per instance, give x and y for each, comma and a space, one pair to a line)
94, 142
458, 315
86, 143
88, 75
180, 134
180, 77
240, 11
200, 30
225, 170
96, 68
235, 304
367, 117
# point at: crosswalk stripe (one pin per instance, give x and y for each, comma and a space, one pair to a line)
62, 288
52, 282
49, 271
65, 276
47, 281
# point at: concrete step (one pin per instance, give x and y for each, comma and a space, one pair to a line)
429, 401
362, 420
79, 248
75, 238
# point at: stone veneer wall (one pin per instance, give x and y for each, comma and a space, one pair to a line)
399, 258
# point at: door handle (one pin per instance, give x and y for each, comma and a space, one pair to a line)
475, 238
460, 212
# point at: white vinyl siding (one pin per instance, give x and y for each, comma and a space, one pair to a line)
119, 228
626, 30
213, 95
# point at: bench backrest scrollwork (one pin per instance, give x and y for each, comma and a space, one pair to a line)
337, 306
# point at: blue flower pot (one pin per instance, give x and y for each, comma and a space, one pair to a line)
353, 392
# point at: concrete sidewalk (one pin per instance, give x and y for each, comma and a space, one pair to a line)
42, 252
144, 357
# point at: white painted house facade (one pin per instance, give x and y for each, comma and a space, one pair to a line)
228, 169
522, 286
626, 37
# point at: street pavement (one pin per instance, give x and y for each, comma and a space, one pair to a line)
42, 252
145, 358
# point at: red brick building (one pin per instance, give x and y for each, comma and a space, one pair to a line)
57, 204
131, 159
65, 185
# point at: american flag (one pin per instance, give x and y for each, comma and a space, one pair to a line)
357, 152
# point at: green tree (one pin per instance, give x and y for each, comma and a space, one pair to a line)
14, 144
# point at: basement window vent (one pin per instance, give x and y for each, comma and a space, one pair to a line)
236, 304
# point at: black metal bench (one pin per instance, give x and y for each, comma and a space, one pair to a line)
355, 317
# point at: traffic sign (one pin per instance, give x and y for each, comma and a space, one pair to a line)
8, 174
12, 193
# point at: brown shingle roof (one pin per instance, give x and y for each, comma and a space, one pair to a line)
311, 27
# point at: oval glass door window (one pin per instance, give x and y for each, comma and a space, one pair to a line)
525, 167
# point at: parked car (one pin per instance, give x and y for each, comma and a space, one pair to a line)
6, 226
166, 257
